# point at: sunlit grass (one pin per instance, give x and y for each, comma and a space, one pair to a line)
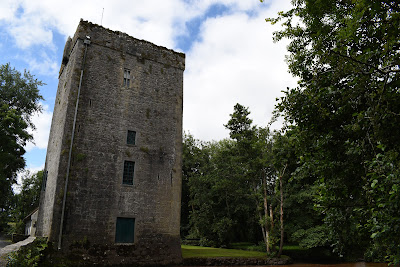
207, 252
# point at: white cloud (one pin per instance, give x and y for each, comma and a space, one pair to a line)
155, 21
43, 65
31, 169
27, 172
42, 122
234, 59
8, 9
236, 62
29, 31
39, 62
32, 22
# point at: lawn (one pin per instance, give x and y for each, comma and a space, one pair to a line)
206, 252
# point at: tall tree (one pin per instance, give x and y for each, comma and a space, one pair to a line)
221, 200
222, 195
254, 149
19, 99
303, 224
347, 110
245, 180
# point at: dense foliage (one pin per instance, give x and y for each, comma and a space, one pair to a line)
19, 99
336, 161
31, 255
231, 189
220, 203
346, 115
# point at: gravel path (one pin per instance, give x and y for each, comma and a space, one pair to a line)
4, 241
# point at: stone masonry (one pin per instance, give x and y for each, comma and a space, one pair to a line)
126, 85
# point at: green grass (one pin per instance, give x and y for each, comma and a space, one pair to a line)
253, 247
242, 245
206, 252
293, 247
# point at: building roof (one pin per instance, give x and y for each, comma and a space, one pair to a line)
30, 214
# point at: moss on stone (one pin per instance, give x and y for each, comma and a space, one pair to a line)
80, 157
144, 149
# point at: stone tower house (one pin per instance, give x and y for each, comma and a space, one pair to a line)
112, 187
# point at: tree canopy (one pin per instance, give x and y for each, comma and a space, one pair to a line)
346, 111
19, 100
237, 182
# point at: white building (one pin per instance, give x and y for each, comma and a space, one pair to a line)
30, 223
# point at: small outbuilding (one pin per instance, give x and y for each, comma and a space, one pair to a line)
30, 223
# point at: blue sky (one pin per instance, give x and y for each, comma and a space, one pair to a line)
230, 55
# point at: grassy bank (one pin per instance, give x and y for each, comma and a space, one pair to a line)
249, 250
207, 252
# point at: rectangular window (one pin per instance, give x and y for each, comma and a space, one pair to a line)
131, 139
127, 77
125, 230
129, 169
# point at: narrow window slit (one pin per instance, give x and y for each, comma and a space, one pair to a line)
127, 77
129, 170
131, 138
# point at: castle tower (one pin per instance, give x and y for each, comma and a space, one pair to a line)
113, 185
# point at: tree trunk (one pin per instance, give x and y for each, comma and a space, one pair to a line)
281, 211
271, 215
260, 216
267, 232
262, 229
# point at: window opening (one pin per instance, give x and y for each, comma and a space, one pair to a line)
131, 139
125, 230
129, 169
127, 74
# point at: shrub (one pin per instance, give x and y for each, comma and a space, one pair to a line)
29, 255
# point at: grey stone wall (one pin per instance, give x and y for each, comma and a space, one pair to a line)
58, 147
151, 106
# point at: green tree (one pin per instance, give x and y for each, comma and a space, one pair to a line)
27, 200
346, 108
303, 224
242, 181
194, 161
28, 197
253, 146
220, 198
250, 162
221, 181
19, 99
